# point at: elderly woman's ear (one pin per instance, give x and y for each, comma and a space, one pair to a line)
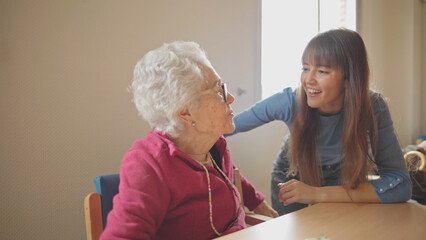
186, 117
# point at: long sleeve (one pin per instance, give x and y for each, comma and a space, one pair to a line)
132, 217
277, 107
394, 184
252, 198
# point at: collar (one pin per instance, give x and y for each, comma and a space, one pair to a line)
174, 151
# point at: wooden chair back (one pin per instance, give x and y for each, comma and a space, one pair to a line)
98, 204
93, 216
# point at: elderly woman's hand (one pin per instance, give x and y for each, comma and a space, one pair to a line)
265, 209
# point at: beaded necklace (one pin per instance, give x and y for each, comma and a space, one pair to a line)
210, 195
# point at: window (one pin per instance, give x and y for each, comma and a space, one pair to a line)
287, 26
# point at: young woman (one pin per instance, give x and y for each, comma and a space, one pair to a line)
340, 131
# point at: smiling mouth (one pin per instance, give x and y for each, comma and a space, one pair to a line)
313, 91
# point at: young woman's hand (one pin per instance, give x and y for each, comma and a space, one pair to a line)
296, 191
264, 209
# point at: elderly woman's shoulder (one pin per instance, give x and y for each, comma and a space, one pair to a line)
149, 148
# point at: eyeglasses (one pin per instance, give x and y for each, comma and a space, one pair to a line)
222, 88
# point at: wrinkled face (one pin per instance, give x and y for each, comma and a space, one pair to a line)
324, 87
215, 116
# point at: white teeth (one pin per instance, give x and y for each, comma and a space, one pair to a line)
313, 90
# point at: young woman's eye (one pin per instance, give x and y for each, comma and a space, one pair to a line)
323, 72
304, 69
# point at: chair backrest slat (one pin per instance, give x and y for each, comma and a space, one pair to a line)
93, 216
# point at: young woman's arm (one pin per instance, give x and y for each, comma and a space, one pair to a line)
296, 191
277, 107
393, 185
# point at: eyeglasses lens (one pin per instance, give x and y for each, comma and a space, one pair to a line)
225, 92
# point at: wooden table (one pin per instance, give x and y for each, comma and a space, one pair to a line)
343, 221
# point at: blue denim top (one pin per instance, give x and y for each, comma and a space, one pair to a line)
394, 184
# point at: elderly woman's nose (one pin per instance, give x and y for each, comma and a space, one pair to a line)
230, 98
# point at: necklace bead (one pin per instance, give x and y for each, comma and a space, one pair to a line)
210, 195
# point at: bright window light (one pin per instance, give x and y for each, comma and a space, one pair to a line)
287, 26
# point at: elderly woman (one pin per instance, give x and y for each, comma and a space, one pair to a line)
177, 182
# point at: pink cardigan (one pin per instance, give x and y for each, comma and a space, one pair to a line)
163, 194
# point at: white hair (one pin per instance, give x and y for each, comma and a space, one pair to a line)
165, 80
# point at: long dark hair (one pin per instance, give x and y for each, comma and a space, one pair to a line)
345, 50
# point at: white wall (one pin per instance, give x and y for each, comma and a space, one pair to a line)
66, 116
392, 31
423, 79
